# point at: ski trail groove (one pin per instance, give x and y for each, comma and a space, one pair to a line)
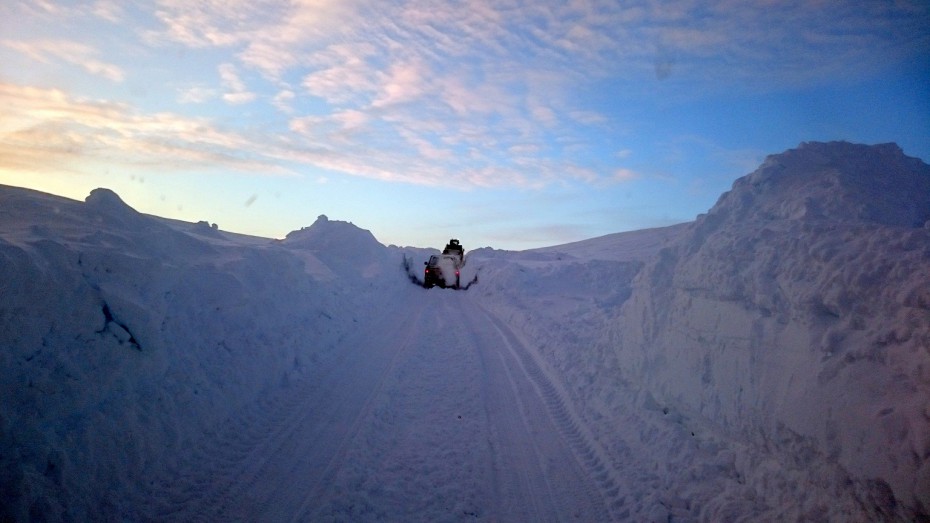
589, 454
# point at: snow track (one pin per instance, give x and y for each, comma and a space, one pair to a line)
265, 465
600, 481
435, 410
561, 476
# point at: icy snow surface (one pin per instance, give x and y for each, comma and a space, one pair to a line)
768, 361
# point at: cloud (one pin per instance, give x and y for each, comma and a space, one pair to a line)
68, 51
270, 36
343, 73
236, 91
236, 98
623, 153
196, 95
342, 129
588, 117
542, 113
48, 129
209, 24
108, 10
718, 42
403, 82
462, 94
283, 100
623, 175
372, 52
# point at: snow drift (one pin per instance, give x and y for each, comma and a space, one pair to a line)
125, 338
770, 360
797, 313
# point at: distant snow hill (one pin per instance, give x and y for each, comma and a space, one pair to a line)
782, 338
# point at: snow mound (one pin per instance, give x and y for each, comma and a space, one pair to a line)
342, 246
108, 201
109, 209
798, 311
837, 181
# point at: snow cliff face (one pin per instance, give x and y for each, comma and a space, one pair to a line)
797, 311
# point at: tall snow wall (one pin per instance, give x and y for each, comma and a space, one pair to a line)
796, 312
126, 339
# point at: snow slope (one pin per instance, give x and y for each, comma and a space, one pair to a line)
767, 361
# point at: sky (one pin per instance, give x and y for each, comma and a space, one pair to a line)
503, 123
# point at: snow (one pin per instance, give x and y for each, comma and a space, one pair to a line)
768, 361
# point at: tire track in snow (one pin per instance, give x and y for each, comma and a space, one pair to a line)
276, 462
396, 348
422, 453
537, 472
318, 445
247, 469
196, 483
530, 477
588, 453
518, 478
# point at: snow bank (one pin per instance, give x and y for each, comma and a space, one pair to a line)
784, 338
126, 340
797, 313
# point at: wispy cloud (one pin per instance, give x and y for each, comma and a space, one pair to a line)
342, 74
624, 175
402, 82
196, 94
211, 24
485, 86
283, 100
236, 91
463, 94
46, 129
109, 10
68, 51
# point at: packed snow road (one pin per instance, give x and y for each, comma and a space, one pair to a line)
432, 411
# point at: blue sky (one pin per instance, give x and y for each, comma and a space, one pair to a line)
508, 124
